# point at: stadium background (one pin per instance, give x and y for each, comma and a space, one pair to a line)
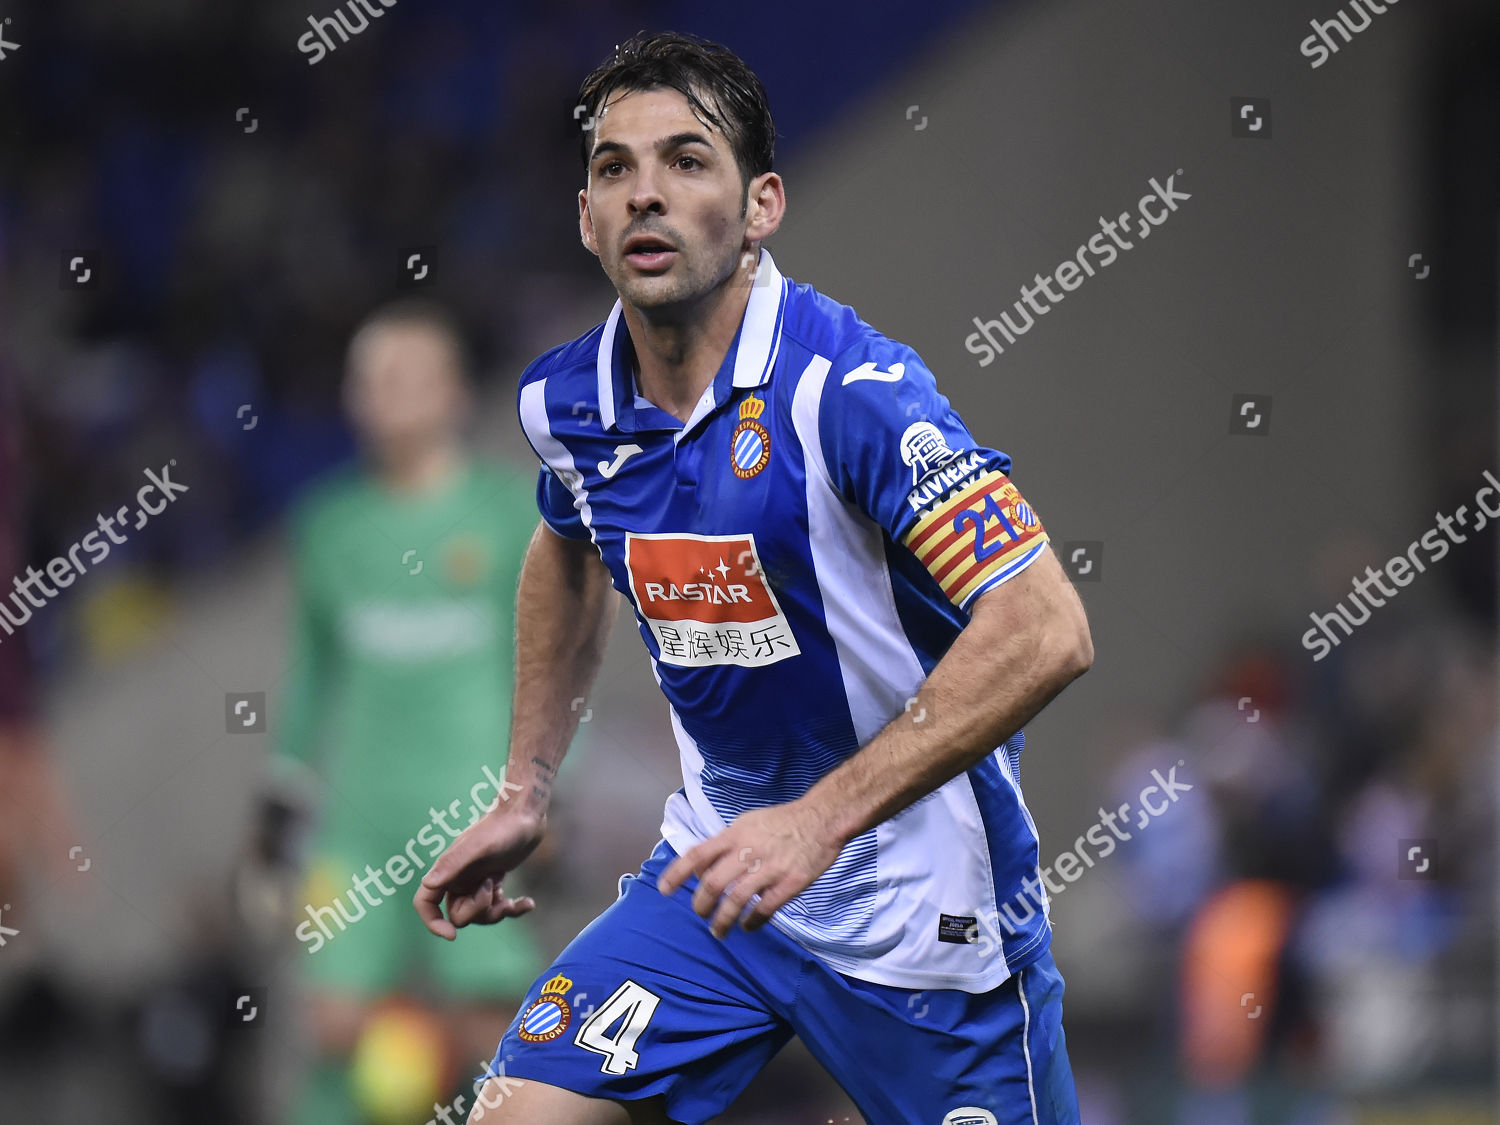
234, 252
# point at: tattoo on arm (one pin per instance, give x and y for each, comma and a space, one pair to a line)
546, 772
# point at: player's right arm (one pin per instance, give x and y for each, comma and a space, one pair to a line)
287, 802
565, 607
314, 654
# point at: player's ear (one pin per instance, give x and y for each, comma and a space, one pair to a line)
765, 208
586, 223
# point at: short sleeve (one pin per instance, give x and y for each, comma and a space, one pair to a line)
555, 501
896, 449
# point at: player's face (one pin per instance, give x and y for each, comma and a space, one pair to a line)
403, 388
657, 171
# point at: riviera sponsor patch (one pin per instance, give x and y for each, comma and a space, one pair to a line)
706, 600
950, 478
983, 531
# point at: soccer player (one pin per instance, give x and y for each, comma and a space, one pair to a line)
851, 611
405, 569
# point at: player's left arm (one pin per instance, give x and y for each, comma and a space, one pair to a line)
895, 449
1027, 639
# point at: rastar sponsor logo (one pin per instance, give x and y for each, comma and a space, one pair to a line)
706, 600
697, 592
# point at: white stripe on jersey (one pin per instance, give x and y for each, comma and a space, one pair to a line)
709, 822
539, 433
602, 367
880, 672
880, 669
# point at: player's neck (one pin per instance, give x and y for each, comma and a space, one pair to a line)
678, 357
413, 472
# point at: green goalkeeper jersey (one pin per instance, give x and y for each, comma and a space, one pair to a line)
399, 689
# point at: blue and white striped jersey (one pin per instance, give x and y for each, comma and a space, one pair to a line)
799, 556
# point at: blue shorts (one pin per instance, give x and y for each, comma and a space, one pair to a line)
646, 1001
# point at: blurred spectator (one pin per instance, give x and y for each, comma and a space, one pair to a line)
35, 823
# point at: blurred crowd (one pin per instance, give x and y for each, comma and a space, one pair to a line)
229, 256
1311, 931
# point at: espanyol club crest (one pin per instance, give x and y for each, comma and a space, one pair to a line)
548, 1016
1016, 511
750, 444
1023, 514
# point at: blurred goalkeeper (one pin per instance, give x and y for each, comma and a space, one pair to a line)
405, 570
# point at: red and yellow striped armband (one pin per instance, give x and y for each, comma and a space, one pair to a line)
984, 533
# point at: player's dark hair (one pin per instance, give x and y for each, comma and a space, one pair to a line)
716, 82
422, 312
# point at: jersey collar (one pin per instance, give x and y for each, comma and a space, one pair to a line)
748, 363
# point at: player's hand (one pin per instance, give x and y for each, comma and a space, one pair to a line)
771, 855
471, 872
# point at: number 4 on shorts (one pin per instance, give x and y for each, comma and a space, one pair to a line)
636, 1005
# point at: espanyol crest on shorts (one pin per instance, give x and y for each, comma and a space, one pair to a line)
549, 1014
